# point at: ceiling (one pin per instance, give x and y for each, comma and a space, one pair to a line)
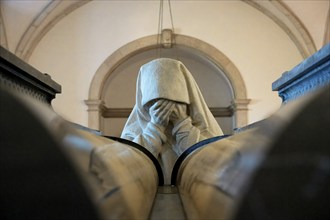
303, 21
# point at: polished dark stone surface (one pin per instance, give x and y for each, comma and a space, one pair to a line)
38, 181
293, 180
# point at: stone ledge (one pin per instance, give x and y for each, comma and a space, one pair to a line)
310, 74
18, 75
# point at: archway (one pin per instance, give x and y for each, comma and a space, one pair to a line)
96, 105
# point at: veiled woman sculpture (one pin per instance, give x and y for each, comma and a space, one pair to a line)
170, 113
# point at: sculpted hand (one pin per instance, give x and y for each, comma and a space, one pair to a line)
160, 112
179, 113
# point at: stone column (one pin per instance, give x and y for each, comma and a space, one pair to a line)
240, 107
95, 109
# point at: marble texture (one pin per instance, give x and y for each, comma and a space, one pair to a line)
119, 180
170, 113
284, 158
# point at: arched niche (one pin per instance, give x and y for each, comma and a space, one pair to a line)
138, 52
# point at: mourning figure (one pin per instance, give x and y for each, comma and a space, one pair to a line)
170, 113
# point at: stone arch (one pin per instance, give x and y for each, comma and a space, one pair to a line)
95, 103
48, 17
52, 14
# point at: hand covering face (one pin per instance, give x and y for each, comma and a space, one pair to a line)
170, 113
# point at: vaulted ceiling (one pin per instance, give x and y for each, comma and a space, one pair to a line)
297, 18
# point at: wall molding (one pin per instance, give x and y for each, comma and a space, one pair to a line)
51, 14
3, 35
125, 112
57, 10
288, 22
150, 42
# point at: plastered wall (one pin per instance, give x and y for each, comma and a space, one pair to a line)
74, 48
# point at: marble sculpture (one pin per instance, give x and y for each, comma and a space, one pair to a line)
170, 113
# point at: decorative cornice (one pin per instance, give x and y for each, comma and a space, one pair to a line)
307, 76
125, 112
95, 105
19, 76
240, 104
